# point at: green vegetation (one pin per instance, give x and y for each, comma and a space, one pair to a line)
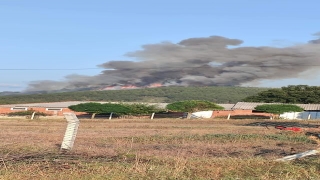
278, 108
26, 113
100, 108
218, 138
291, 94
216, 94
119, 109
192, 106
142, 109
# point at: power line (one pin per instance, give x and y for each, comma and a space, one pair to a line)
133, 68
44, 69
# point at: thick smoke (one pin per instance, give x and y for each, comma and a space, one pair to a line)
316, 41
214, 60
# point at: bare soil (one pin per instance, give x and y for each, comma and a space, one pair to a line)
158, 137
142, 141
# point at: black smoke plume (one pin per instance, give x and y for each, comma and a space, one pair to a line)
210, 61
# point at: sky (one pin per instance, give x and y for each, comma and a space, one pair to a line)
51, 40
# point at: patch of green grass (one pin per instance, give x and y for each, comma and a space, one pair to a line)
212, 137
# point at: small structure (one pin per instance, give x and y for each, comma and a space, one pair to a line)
201, 114
301, 115
52, 109
311, 111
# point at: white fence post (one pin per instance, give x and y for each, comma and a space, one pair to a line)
110, 117
32, 116
71, 131
229, 116
152, 115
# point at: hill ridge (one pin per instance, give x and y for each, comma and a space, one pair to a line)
217, 94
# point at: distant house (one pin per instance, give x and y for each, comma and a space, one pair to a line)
54, 109
51, 108
252, 105
311, 111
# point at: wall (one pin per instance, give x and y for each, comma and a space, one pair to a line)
6, 110
54, 113
224, 113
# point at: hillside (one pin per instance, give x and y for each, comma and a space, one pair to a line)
216, 94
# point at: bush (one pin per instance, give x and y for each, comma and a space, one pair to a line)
88, 108
27, 113
142, 109
278, 108
193, 106
119, 109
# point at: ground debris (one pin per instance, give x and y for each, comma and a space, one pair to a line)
53, 157
285, 124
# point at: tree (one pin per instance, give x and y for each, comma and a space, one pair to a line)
98, 108
218, 94
27, 113
142, 109
278, 108
91, 108
192, 106
291, 94
119, 109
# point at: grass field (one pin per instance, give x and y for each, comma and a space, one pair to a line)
154, 149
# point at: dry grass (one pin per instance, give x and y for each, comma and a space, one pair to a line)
153, 149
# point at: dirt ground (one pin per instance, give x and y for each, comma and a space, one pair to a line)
157, 149
186, 138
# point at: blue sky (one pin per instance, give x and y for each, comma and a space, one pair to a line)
81, 34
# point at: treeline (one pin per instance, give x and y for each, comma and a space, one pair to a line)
119, 109
217, 94
300, 94
142, 109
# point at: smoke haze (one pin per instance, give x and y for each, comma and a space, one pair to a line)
211, 61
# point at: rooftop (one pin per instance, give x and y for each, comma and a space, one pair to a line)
252, 105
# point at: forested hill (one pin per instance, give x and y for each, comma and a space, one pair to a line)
215, 94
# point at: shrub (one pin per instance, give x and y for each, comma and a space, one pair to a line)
26, 113
142, 109
193, 106
278, 108
119, 109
